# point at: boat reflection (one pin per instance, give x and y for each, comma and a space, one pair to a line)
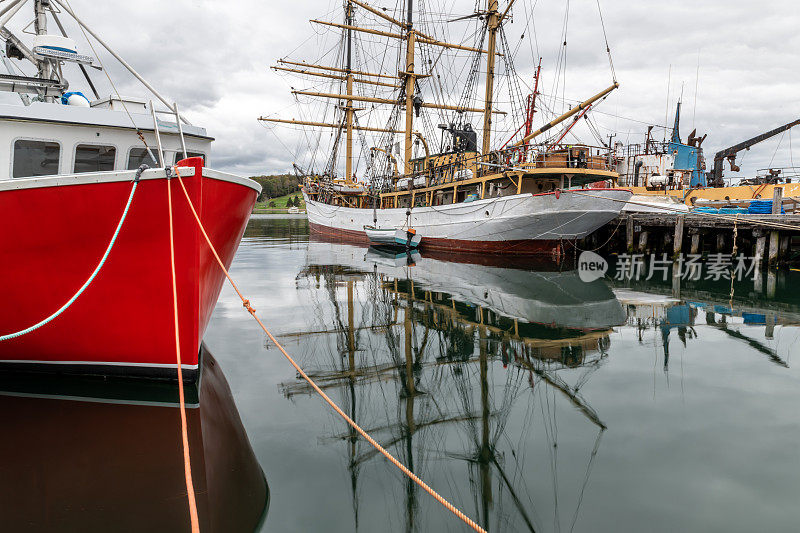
748, 323
452, 349
87, 454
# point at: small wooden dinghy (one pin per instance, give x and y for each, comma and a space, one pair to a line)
407, 238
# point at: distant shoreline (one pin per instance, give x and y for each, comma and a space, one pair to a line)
275, 211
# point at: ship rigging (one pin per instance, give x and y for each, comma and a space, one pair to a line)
514, 186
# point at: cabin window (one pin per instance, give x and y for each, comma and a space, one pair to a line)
94, 158
35, 158
179, 155
139, 156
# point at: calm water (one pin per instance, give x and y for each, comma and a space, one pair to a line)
532, 400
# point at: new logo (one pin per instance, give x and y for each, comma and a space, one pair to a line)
591, 266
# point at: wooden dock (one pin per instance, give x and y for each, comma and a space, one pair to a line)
771, 238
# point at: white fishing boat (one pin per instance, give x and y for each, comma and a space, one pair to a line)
407, 238
640, 203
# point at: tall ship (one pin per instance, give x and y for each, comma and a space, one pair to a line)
480, 180
85, 218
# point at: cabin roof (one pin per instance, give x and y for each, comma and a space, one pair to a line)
95, 117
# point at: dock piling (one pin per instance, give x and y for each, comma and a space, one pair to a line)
643, 241
772, 257
678, 242
761, 245
695, 247
777, 200
629, 233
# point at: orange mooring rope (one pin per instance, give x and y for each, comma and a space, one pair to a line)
246, 303
187, 464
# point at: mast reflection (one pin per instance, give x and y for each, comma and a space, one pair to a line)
433, 364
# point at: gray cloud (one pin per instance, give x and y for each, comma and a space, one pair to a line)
213, 57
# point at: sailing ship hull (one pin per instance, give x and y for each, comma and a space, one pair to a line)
60, 227
521, 224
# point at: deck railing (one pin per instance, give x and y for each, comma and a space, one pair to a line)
470, 165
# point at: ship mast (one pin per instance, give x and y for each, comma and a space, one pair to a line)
410, 83
493, 24
349, 109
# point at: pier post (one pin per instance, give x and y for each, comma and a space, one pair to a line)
720, 242
772, 257
643, 241
758, 259
676, 279
769, 329
678, 243
761, 245
777, 200
783, 247
695, 241
629, 233
772, 282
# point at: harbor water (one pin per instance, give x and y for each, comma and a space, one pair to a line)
531, 400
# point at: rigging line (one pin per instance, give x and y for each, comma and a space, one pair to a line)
780, 141
187, 462
605, 37
586, 479
113, 86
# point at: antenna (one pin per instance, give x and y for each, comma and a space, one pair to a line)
696, 83
666, 111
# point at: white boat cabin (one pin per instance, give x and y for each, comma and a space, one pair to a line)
53, 138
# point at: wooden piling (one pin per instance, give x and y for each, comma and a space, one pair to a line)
769, 330
772, 256
777, 200
783, 246
761, 245
695, 248
643, 241
720, 242
629, 233
678, 242
772, 282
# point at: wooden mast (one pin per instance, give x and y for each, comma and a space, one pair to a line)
410, 82
349, 108
578, 108
493, 23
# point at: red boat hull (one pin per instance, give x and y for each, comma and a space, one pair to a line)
552, 250
123, 322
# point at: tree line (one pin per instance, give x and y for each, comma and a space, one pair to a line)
278, 185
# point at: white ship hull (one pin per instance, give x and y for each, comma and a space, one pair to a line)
518, 224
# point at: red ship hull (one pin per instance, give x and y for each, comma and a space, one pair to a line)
53, 238
542, 249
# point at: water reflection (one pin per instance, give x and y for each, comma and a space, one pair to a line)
85, 454
529, 399
438, 353
667, 315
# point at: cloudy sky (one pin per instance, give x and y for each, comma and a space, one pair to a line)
214, 57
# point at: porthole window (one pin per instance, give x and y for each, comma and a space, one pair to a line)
94, 158
35, 158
